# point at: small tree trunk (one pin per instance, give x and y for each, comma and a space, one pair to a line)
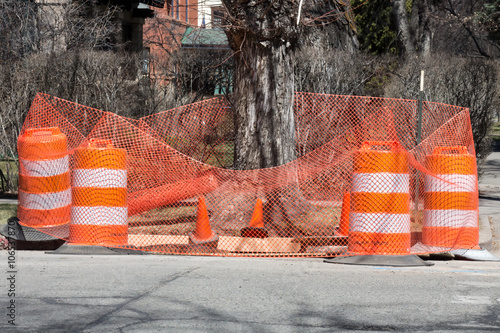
403, 27
426, 42
421, 24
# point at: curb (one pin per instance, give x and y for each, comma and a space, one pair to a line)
488, 191
485, 234
489, 196
79, 249
9, 201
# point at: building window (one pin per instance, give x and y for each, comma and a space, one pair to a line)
218, 14
145, 61
173, 8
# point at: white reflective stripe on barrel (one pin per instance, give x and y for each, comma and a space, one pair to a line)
45, 201
99, 215
44, 168
381, 182
461, 183
454, 218
102, 178
380, 223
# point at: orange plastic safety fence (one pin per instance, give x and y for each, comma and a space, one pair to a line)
164, 183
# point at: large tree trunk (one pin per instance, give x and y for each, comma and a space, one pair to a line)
263, 36
263, 103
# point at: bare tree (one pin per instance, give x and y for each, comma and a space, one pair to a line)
75, 68
264, 36
337, 72
471, 83
18, 29
446, 27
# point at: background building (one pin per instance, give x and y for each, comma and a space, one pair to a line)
186, 46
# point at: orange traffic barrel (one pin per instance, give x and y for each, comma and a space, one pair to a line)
451, 217
99, 189
379, 221
44, 178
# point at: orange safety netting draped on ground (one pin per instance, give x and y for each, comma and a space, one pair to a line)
164, 183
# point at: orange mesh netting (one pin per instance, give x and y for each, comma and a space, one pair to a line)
163, 183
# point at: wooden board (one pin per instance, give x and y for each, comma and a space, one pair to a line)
226, 243
251, 245
149, 240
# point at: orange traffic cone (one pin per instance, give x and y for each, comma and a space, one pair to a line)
343, 229
256, 227
202, 233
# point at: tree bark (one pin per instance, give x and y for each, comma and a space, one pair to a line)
403, 27
263, 35
264, 120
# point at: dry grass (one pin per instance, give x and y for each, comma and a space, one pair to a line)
163, 214
416, 220
320, 221
11, 172
6, 212
495, 131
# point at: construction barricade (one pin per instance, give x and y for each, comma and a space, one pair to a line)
99, 208
451, 216
167, 182
380, 214
44, 178
343, 229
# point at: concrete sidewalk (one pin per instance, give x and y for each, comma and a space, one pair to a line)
489, 204
8, 201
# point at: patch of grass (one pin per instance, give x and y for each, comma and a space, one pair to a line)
11, 171
319, 221
6, 212
221, 155
495, 131
174, 229
416, 220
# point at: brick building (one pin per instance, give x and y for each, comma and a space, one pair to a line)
182, 26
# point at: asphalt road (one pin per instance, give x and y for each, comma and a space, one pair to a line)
65, 293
